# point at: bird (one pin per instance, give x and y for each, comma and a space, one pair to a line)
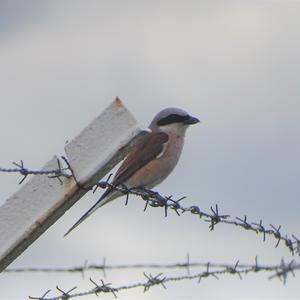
152, 160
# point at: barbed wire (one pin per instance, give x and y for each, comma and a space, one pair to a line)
280, 271
104, 266
22, 170
180, 265
154, 199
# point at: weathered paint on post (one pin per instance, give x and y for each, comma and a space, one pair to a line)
42, 201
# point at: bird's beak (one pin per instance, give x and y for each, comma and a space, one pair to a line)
191, 120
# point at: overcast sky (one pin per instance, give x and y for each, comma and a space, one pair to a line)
233, 64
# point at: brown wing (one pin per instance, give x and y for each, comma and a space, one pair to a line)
150, 148
147, 150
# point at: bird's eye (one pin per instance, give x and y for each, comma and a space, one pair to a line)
173, 118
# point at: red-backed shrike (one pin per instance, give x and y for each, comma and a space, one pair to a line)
152, 160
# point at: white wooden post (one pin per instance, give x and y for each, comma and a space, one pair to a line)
41, 201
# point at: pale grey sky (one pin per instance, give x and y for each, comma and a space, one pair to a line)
234, 64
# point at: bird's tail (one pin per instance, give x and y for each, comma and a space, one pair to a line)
106, 197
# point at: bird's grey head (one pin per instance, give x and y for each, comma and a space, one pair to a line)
172, 117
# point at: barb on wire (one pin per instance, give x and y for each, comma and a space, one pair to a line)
208, 273
280, 271
154, 280
42, 297
154, 199
284, 270
104, 288
21, 169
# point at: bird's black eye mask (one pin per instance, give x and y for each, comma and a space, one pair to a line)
173, 118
